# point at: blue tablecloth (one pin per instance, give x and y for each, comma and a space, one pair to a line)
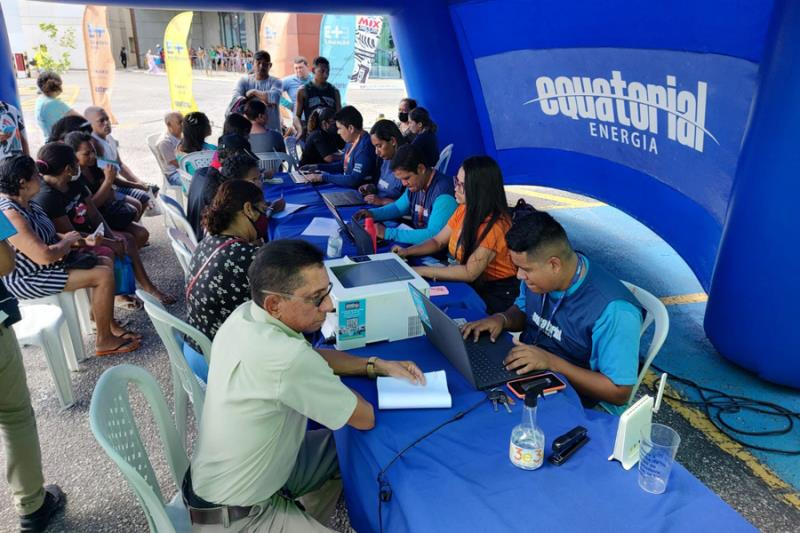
461, 295
461, 479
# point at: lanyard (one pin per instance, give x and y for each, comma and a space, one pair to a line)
350, 151
575, 279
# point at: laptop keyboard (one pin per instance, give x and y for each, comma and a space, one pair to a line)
487, 369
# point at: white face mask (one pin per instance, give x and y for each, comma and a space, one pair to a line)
75, 177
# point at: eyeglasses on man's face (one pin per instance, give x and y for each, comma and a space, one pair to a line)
316, 301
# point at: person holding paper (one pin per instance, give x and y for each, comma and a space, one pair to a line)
254, 456
576, 318
386, 138
67, 200
475, 237
45, 262
35, 503
429, 199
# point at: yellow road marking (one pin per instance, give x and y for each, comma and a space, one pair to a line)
566, 202
28, 96
691, 298
699, 421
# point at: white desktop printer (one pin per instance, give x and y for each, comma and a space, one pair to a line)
371, 300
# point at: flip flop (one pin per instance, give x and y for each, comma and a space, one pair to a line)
131, 335
125, 347
131, 304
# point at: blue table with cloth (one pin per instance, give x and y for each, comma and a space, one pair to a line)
291, 226
461, 478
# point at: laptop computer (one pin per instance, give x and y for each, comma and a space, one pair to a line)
298, 177
481, 363
353, 230
344, 198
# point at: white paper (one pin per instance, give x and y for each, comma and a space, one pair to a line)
321, 227
394, 393
99, 232
288, 210
404, 226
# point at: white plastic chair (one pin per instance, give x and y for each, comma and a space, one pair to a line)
198, 160
293, 150
76, 307
179, 221
186, 180
152, 140
114, 427
180, 243
444, 159
185, 384
656, 313
45, 326
274, 161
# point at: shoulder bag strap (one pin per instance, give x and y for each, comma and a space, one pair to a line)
205, 264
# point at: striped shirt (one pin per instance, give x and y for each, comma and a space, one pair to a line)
29, 279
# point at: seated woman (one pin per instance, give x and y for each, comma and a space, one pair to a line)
261, 138
221, 261
424, 130
234, 123
403, 109
49, 109
475, 237
323, 144
386, 137
121, 215
44, 262
196, 128
428, 199
359, 165
67, 125
67, 200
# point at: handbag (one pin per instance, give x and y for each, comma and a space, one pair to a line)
75, 260
124, 278
205, 264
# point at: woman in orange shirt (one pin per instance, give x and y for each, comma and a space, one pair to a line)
475, 237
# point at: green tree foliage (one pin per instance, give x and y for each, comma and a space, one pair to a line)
66, 41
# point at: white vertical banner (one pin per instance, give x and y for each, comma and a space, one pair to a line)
368, 31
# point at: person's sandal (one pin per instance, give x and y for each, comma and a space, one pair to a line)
37, 521
126, 347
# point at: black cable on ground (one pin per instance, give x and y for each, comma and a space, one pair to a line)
717, 405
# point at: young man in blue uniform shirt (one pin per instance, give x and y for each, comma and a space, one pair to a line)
576, 318
359, 164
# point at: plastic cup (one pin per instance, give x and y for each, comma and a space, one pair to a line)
657, 449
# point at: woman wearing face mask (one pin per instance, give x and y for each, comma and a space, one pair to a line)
405, 107
385, 137
245, 167
221, 260
44, 262
323, 144
66, 199
475, 237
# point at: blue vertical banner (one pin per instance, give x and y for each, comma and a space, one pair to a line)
337, 35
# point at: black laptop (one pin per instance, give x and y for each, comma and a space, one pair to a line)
480, 362
352, 230
344, 198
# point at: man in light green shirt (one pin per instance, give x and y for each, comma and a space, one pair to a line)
255, 457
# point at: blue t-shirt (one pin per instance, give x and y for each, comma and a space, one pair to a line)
48, 112
291, 84
388, 184
615, 335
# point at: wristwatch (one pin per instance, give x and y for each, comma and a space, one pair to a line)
371, 367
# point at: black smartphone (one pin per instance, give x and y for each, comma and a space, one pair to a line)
360, 259
520, 386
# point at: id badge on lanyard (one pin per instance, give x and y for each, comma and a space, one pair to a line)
575, 279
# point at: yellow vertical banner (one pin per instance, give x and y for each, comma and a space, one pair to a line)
278, 36
99, 58
178, 64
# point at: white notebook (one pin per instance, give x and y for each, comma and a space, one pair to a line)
394, 393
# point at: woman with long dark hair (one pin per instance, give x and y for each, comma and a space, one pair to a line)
323, 144
196, 127
385, 137
475, 237
424, 130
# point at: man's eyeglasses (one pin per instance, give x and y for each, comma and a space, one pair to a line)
316, 301
458, 185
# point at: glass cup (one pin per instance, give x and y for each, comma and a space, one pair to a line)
657, 449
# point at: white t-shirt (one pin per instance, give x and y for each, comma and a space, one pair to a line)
109, 146
264, 382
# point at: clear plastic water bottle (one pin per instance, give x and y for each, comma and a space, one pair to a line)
334, 246
526, 449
